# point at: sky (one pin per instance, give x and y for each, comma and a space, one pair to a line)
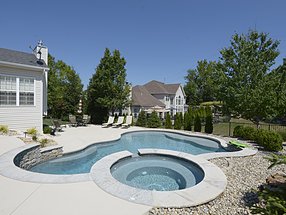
160, 39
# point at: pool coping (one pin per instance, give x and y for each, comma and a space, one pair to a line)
212, 185
10, 170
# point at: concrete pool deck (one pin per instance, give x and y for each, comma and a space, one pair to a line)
20, 197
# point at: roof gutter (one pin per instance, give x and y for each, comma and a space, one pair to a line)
10, 64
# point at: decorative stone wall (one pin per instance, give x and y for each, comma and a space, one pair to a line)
35, 155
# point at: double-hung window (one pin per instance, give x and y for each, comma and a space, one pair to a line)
16, 91
8, 90
26, 91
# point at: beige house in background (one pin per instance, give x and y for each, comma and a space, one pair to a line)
23, 88
159, 97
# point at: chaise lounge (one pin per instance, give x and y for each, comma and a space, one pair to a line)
128, 122
119, 121
109, 122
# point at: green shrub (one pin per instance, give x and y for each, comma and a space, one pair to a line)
44, 142
154, 121
34, 138
198, 124
47, 130
238, 131
249, 133
209, 124
142, 119
168, 122
282, 134
270, 140
273, 200
4, 129
32, 131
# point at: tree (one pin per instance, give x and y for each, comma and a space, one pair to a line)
154, 121
168, 122
108, 90
278, 79
197, 124
208, 120
245, 90
64, 89
142, 119
178, 121
202, 83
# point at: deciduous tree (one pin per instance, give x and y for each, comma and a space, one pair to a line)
246, 90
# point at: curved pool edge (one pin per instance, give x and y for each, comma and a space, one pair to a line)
212, 185
10, 170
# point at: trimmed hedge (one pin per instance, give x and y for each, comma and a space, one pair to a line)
282, 134
270, 140
238, 131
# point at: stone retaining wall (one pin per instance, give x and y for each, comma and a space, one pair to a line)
35, 155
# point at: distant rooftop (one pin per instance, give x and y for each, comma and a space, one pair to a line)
156, 87
12, 56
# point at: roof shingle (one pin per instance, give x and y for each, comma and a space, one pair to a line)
142, 97
12, 56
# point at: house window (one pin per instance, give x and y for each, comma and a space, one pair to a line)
171, 101
8, 90
26, 89
167, 98
15, 91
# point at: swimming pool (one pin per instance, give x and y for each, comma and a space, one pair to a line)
82, 161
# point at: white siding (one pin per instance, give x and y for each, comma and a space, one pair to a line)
23, 117
179, 107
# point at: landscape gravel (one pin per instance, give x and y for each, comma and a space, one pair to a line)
244, 176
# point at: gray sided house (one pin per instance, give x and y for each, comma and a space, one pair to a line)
23, 88
159, 97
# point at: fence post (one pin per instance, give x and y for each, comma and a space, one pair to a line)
229, 128
269, 127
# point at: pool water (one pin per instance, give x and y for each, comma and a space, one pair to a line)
82, 161
157, 172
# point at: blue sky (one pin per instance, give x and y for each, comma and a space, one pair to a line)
160, 39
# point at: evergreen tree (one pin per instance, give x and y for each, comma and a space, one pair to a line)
209, 124
142, 119
108, 90
188, 121
198, 124
154, 121
168, 122
178, 122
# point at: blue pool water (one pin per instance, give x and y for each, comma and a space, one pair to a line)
82, 161
157, 172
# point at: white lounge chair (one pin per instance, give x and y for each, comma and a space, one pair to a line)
128, 121
109, 122
119, 121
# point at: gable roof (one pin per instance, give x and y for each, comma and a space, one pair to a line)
172, 88
142, 97
12, 56
156, 87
